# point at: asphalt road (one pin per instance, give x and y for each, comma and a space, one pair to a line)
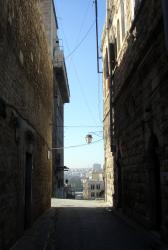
90, 225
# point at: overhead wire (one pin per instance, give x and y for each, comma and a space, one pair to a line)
79, 145
82, 40
82, 90
83, 20
99, 81
81, 27
78, 79
79, 126
73, 64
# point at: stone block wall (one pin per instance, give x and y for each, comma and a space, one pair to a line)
108, 157
26, 85
140, 104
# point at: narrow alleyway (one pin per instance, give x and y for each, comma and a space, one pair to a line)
85, 225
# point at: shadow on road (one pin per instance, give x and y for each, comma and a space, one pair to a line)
84, 225
89, 225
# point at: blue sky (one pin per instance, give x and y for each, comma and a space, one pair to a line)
75, 21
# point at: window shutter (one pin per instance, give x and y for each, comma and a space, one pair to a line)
112, 53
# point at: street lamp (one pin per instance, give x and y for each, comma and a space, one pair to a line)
88, 139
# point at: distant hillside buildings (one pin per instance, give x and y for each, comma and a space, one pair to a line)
93, 185
88, 183
96, 166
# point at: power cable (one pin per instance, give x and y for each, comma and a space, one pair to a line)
77, 146
83, 20
82, 25
82, 40
82, 126
81, 88
78, 79
73, 64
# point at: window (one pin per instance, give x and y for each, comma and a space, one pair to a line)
112, 54
92, 194
118, 36
122, 18
92, 186
98, 186
106, 66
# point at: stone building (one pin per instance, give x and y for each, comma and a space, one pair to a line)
93, 187
61, 95
137, 67
108, 161
26, 101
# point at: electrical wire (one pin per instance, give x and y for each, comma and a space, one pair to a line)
76, 126
77, 146
78, 79
82, 126
83, 93
73, 64
82, 40
83, 21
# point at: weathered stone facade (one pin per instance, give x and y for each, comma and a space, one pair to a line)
93, 187
61, 95
139, 106
108, 161
26, 87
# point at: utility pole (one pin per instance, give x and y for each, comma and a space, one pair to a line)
97, 41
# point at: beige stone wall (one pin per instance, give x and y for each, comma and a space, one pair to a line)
139, 81
26, 85
116, 26
50, 23
108, 165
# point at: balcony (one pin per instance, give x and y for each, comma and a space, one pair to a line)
61, 74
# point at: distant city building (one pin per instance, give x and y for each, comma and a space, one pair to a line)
93, 187
75, 177
81, 172
88, 183
96, 166
97, 175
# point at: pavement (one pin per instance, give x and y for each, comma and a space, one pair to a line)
85, 225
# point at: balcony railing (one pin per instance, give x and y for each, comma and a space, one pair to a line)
61, 73
58, 58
